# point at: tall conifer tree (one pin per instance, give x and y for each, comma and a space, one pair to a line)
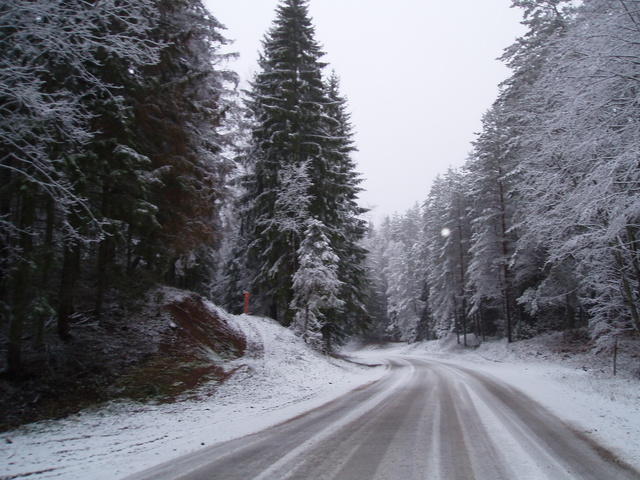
178, 118
340, 197
299, 155
287, 99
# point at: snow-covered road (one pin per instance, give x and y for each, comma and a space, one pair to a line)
425, 419
281, 378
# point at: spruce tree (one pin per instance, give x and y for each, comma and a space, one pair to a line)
299, 156
56, 92
340, 193
316, 286
179, 115
493, 239
287, 100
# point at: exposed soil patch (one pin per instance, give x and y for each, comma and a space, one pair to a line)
169, 345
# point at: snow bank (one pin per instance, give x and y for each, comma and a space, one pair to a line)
278, 378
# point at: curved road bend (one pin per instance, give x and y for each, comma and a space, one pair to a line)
423, 420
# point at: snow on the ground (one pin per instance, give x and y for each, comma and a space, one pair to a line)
578, 388
278, 379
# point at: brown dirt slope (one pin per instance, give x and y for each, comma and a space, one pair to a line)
158, 350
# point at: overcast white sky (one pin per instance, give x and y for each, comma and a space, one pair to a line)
418, 75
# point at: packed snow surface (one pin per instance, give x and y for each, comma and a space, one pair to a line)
281, 378
578, 388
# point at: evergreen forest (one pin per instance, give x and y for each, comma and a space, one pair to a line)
130, 159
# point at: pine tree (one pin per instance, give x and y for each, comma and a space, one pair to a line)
447, 232
493, 240
405, 274
179, 117
339, 205
316, 287
51, 85
287, 100
300, 170
377, 262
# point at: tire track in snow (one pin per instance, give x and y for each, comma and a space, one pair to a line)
423, 420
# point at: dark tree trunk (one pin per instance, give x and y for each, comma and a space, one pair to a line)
106, 254
326, 336
570, 313
16, 323
70, 270
47, 267
505, 269
21, 284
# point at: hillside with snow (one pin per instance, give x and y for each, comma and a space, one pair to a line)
278, 377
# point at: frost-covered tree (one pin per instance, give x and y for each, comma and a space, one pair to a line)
447, 236
180, 118
299, 169
405, 273
339, 197
546, 21
498, 272
94, 97
376, 244
287, 99
316, 287
493, 241
397, 263
292, 200
581, 173
51, 82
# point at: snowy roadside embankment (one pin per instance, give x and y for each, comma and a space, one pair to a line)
579, 388
278, 378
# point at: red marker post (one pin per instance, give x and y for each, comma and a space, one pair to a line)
246, 303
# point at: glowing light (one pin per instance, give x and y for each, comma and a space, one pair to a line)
445, 232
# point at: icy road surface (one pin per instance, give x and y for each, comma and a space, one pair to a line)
425, 419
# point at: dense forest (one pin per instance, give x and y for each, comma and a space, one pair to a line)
538, 230
129, 159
